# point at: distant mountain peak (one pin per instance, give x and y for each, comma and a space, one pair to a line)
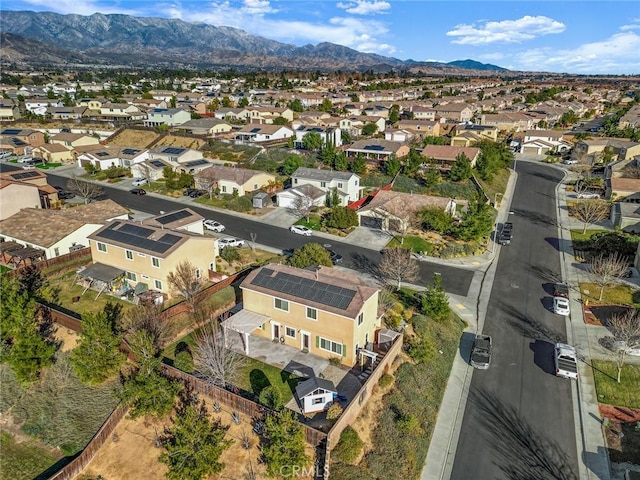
474, 65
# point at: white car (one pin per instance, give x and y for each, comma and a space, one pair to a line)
300, 230
561, 306
570, 162
139, 181
230, 242
213, 226
588, 195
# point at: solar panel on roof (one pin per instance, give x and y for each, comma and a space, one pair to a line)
174, 150
170, 239
10, 131
196, 163
121, 236
21, 176
136, 230
19, 143
173, 217
374, 147
130, 151
255, 130
102, 154
157, 163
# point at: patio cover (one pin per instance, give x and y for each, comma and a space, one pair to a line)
244, 322
101, 272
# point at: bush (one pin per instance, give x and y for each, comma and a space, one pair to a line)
385, 380
419, 323
349, 447
271, 397
310, 254
229, 254
184, 361
421, 349
240, 204
409, 424
334, 411
341, 217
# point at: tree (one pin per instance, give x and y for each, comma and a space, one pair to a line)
392, 166
194, 443
85, 189
271, 397
436, 219
369, 129
302, 206
243, 102
284, 444
625, 329
461, 169
310, 254
359, 165
590, 211
229, 254
186, 283
340, 162
398, 266
208, 180
435, 302
290, 165
296, 105
326, 105
97, 356
394, 113
607, 270
341, 217
477, 221
280, 121
403, 222
226, 102
312, 141
216, 362
147, 317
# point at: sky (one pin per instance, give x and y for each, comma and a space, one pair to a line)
570, 36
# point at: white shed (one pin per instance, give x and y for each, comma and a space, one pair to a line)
315, 394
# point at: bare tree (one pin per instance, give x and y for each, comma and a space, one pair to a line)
608, 270
302, 206
85, 189
397, 265
591, 211
208, 180
146, 317
253, 236
185, 281
404, 221
625, 329
217, 363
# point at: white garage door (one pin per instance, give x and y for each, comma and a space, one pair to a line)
284, 200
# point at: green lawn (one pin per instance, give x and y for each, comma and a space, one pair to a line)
4, 268
415, 244
314, 222
48, 165
255, 376
577, 235
22, 461
615, 295
623, 394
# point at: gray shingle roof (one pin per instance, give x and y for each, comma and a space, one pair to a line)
321, 175
305, 388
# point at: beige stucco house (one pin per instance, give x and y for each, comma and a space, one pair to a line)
54, 152
232, 180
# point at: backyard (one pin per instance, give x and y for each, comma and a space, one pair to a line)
229, 152
22, 459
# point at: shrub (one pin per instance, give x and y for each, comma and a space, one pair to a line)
334, 411
229, 254
419, 323
409, 424
335, 361
421, 349
341, 217
271, 397
310, 254
349, 447
240, 204
184, 361
385, 380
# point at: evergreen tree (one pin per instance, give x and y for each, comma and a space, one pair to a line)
341, 163
285, 444
477, 221
392, 166
310, 254
30, 352
461, 169
359, 165
435, 302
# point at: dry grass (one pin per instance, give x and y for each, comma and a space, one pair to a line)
184, 142
134, 138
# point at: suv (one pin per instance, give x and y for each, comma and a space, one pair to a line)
481, 352
506, 234
561, 290
230, 242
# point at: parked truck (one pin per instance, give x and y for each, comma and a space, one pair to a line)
566, 361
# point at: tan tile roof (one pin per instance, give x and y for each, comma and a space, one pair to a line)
238, 175
46, 227
625, 184
390, 202
448, 152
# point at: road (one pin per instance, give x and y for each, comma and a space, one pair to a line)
455, 280
518, 422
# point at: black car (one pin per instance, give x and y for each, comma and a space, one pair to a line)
189, 191
561, 290
335, 257
197, 193
62, 195
138, 191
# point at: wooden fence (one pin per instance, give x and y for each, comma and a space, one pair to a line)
79, 463
67, 257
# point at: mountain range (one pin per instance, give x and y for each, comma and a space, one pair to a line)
44, 38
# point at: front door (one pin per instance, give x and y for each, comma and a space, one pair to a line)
306, 340
276, 331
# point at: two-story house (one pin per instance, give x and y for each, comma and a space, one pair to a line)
267, 115
67, 113
54, 153
180, 159
166, 116
232, 180
458, 112
25, 136
325, 312
205, 126
327, 134
48, 195
346, 184
423, 113
469, 134
103, 157
120, 111
74, 140
147, 254
9, 110
421, 128
541, 142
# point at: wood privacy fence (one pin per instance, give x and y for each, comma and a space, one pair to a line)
79, 463
67, 257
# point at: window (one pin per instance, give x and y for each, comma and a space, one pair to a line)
129, 254
155, 262
131, 276
56, 252
198, 274
290, 332
255, 186
281, 304
157, 284
317, 401
330, 346
323, 184
224, 189
339, 184
102, 247
360, 318
295, 180
312, 313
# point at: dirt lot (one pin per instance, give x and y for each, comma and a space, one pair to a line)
68, 337
185, 142
622, 429
132, 453
134, 138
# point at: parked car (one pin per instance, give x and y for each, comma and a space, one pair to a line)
213, 226
188, 191
300, 230
230, 242
197, 193
588, 195
506, 234
561, 290
566, 361
569, 161
335, 257
481, 352
28, 166
63, 195
138, 191
561, 306
288, 252
140, 181
4, 154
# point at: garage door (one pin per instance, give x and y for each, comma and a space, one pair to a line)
284, 201
371, 222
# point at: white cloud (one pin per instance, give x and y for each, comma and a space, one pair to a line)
362, 7
506, 31
616, 54
634, 25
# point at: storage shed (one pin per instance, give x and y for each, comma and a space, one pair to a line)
315, 394
261, 200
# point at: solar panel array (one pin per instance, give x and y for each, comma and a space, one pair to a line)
10, 131
196, 163
19, 143
312, 290
135, 236
157, 163
22, 176
102, 154
374, 147
173, 217
255, 130
130, 151
174, 150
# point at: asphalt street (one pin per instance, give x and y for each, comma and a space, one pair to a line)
454, 280
518, 422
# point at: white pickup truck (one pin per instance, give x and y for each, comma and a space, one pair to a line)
566, 361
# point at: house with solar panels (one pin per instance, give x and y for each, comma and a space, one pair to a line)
25, 189
321, 311
143, 254
180, 159
263, 133
23, 137
105, 156
376, 149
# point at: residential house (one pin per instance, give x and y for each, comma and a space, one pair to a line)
54, 153
621, 188
262, 133
422, 113
542, 142
166, 116
315, 394
327, 134
22, 137
444, 156
596, 150
48, 195
93, 104
421, 128
346, 184
120, 111
16, 195
183, 219
67, 113
288, 198
457, 112
74, 140
399, 135
205, 126
468, 134
626, 216
56, 232
631, 119
324, 311
225, 113
232, 180
9, 110
509, 122
103, 157
392, 211
147, 254
376, 111
266, 115
39, 107
180, 159
375, 149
